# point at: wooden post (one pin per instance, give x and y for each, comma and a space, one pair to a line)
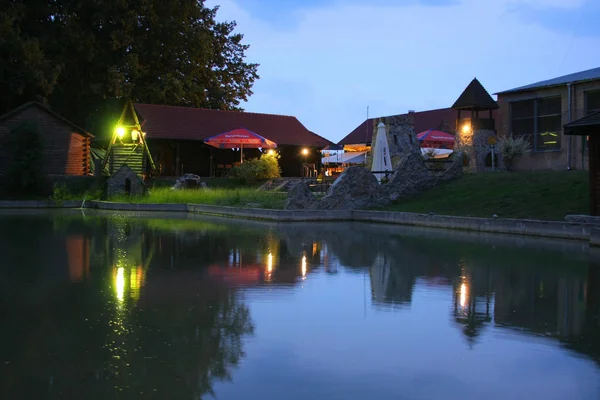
593, 173
177, 166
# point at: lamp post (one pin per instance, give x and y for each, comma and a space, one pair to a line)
304, 154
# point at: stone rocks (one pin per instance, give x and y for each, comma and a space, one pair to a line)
300, 197
355, 188
410, 177
455, 170
125, 182
189, 181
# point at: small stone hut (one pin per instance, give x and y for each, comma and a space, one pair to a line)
125, 182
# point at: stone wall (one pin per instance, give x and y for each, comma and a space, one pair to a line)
401, 136
475, 145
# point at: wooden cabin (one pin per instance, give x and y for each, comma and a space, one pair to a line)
66, 146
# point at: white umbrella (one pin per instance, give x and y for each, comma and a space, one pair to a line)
381, 153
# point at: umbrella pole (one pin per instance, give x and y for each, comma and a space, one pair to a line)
241, 153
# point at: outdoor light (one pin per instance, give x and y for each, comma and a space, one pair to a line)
466, 128
120, 132
135, 134
305, 152
271, 152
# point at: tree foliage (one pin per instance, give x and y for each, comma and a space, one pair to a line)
82, 55
265, 167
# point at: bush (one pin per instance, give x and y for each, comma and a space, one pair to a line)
24, 174
512, 148
265, 167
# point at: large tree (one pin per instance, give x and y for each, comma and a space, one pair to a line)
83, 56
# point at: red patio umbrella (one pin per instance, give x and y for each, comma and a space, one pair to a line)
241, 138
435, 139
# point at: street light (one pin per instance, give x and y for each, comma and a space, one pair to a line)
304, 153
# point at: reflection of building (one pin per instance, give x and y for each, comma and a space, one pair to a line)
390, 286
472, 301
78, 256
540, 304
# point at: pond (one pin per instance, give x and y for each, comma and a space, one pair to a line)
151, 306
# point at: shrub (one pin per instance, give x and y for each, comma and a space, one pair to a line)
24, 174
511, 149
265, 167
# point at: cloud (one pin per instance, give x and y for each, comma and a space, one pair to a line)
343, 56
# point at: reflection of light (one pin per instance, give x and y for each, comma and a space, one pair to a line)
270, 262
304, 267
314, 250
463, 294
120, 283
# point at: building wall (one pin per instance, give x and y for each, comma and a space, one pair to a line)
65, 152
557, 160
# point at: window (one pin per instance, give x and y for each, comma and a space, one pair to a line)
539, 120
592, 102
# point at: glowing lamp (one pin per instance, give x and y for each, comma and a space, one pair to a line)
120, 132
135, 134
305, 152
466, 128
271, 152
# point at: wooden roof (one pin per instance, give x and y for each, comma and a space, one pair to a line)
475, 97
187, 123
588, 125
25, 106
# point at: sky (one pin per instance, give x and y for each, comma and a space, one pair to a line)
326, 61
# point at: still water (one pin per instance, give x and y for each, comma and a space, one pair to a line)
147, 306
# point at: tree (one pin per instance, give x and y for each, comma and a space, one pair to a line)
26, 70
154, 51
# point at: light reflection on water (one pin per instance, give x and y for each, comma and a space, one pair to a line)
181, 308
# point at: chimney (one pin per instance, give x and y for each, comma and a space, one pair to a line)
411, 111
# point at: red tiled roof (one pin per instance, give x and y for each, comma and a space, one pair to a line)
187, 123
423, 120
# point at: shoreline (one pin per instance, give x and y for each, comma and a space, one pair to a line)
581, 231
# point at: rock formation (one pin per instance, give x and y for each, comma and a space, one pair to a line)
300, 197
357, 187
189, 181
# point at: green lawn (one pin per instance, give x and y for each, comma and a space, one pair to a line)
546, 195
241, 197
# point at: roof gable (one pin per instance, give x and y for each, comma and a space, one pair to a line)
475, 97
187, 123
27, 105
587, 75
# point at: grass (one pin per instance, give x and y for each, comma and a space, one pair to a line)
241, 197
545, 195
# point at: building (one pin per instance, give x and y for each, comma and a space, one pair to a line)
176, 139
66, 147
539, 111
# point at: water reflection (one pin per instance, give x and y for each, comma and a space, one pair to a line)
144, 307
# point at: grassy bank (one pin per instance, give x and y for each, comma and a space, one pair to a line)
241, 197
546, 195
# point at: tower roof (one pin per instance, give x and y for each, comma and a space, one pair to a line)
475, 97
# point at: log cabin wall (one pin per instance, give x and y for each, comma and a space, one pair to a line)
66, 149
